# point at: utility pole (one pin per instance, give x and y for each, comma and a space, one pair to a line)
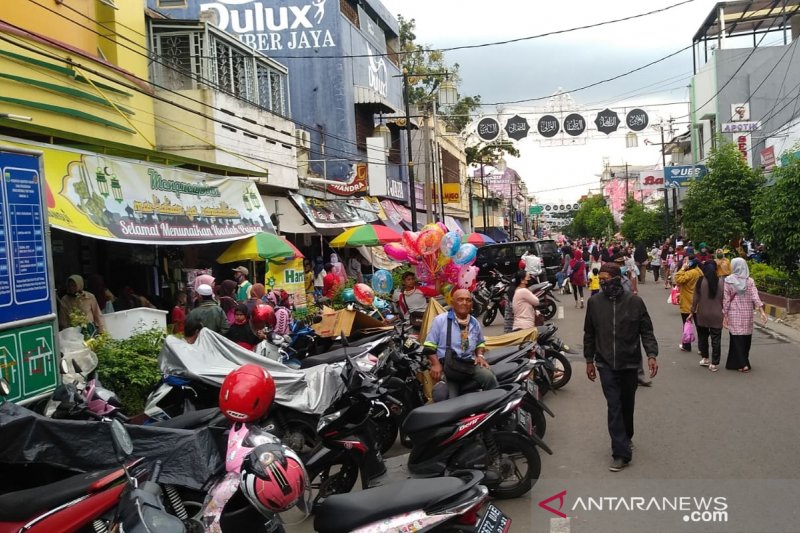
511, 212
430, 205
469, 185
666, 193
483, 194
627, 195
412, 186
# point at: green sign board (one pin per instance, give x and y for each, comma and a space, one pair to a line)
28, 360
535, 210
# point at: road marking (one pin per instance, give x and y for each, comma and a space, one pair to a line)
561, 312
559, 525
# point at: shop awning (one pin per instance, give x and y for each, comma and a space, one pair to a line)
497, 234
290, 220
453, 225
125, 200
401, 215
330, 216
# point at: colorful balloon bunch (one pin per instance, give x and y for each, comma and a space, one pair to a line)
439, 257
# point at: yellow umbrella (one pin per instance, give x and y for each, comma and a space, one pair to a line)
260, 247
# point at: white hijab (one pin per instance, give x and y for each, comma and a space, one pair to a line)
739, 276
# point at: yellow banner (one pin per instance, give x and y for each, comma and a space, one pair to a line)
451, 192
125, 200
290, 277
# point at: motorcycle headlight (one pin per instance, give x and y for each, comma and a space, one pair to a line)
327, 420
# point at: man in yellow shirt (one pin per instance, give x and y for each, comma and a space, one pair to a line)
723, 265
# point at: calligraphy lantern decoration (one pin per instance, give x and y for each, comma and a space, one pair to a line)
116, 189
517, 128
548, 126
574, 124
637, 119
102, 181
607, 121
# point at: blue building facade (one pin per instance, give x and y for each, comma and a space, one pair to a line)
343, 69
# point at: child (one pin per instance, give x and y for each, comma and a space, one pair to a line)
594, 281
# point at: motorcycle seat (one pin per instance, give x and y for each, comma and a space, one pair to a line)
191, 419
496, 355
345, 512
430, 416
334, 356
537, 286
545, 332
25, 504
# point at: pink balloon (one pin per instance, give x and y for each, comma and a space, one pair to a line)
423, 274
396, 251
363, 293
467, 276
442, 227
409, 240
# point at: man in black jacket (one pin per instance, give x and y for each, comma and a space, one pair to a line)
616, 325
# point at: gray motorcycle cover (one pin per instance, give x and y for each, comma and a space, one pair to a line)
212, 357
189, 458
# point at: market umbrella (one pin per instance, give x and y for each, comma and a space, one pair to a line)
368, 235
260, 247
478, 239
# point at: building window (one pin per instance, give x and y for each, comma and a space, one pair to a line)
349, 12
229, 66
394, 149
450, 167
171, 3
365, 125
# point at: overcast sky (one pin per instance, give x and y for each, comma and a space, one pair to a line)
539, 67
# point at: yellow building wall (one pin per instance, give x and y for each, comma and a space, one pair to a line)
73, 93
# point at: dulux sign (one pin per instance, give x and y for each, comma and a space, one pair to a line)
678, 176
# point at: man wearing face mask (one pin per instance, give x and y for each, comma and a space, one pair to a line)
723, 265
617, 324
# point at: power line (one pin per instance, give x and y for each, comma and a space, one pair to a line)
637, 69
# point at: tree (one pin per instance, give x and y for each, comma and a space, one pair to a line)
640, 224
717, 208
593, 219
775, 215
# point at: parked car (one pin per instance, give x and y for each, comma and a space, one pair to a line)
504, 257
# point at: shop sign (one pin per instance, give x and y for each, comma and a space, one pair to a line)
451, 193
743, 143
290, 277
737, 127
327, 213
768, 158
358, 185
678, 176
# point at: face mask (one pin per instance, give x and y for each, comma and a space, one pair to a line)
612, 288
239, 320
720, 256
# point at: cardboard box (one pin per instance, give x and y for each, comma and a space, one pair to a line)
345, 322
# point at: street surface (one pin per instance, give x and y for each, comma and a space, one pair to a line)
714, 451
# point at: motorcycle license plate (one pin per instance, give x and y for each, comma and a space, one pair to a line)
494, 521
524, 421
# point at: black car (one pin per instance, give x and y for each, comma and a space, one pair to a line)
504, 257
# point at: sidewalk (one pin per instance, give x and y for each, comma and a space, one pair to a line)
789, 326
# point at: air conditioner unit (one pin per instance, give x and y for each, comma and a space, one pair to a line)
302, 139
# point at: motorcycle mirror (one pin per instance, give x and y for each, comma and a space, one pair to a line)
64, 366
123, 445
5, 388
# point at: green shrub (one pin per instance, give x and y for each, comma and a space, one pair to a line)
130, 367
774, 280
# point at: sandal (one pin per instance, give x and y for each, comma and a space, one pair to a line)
744, 370
713, 367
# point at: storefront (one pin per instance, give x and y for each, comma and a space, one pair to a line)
141, 226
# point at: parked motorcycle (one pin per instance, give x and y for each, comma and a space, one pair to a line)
469, 432
451, 503
497, 298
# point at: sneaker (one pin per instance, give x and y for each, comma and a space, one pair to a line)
581, 303
704, 361
618, 464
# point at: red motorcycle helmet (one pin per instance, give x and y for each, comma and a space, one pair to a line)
262, 316
247, 394
273, 478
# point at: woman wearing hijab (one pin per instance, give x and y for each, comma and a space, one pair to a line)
226, 294
523, 301
77, 300
319, 275
686, 279
741, 298
240, 331
707, 311
577, 277
257, 294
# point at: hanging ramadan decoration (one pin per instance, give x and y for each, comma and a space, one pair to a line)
488, 129
548, 126
607, 121
574, 124
517, 128
637, 119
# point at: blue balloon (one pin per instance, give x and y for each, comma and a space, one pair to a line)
451, 242
382, 281
348, 296
466, 254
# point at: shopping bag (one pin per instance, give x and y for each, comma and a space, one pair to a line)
675, 295
688, 332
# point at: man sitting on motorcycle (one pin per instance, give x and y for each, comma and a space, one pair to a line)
455, 346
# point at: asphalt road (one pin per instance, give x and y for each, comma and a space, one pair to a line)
714, 451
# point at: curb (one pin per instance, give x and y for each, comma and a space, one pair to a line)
778, 313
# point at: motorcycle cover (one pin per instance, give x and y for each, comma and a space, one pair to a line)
212, 357
189, 458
